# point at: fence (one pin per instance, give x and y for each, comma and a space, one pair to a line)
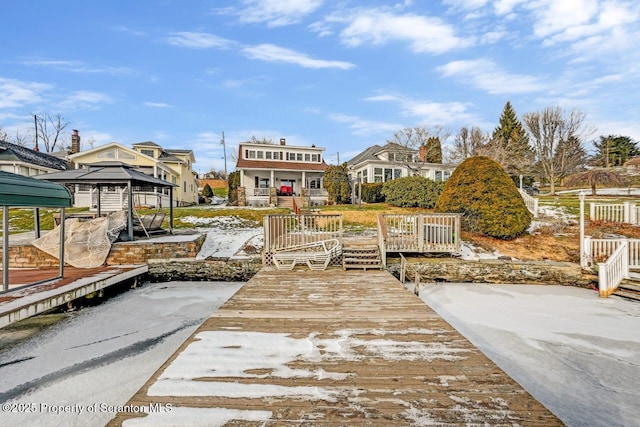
626, 212
614, 258
286, 231
614, 270
419, 233
530, 202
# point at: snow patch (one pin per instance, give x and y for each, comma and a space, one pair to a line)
185, 416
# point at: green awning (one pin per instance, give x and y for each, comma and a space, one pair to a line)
24, 191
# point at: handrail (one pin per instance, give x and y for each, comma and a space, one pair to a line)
614, 270
530, 202
383, 235
296, 208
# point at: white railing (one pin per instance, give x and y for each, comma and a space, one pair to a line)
421, 233
261, 192
317, 192
626, 212
612, 272
286, 231
530, 202
599, 250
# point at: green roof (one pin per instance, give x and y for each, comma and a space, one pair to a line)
24, 191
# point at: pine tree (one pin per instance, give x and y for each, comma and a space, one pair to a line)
433, 150
510, 144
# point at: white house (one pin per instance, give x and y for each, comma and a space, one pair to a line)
392, 161
271, 174
25, 161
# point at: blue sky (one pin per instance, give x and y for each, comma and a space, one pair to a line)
339, 74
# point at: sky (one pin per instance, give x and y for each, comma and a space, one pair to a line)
341, 74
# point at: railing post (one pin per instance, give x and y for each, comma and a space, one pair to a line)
592, 211
626, 213
585, 254
625, 259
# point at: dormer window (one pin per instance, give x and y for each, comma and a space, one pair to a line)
147, 152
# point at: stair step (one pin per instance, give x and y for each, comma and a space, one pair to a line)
627, 294
629, 286
362, 267
361, 261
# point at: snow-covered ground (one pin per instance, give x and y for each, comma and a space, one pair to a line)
576, 353
78, 371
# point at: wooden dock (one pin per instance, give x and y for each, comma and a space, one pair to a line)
332, 348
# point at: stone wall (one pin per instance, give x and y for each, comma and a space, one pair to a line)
495, 271
122, 253
204, 270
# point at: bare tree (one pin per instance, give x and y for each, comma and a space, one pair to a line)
423, 139
468, 143
547, 130
595, 177
50, 130
4, 135
264, 140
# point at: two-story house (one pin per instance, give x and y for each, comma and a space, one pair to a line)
271, 173
392, 161
174, 166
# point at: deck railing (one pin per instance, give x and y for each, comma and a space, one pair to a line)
286, 231
530, 202
418, 233
626, 212
607, 254
261, 192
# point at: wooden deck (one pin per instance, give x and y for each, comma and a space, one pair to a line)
330, 348
21, 301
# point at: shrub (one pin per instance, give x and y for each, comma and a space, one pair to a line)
487, 198
412, 191
207, 191
372, 192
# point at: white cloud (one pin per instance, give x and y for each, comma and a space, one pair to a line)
79, 67
84, 99
428, 112
486, 75
16, 93
273, 53
380, 27
157, 104
197, 40
277, 13
365, 127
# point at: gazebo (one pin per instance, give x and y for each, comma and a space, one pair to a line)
117, 174
27, 192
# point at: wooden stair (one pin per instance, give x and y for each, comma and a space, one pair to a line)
628, 289
362, 257
285, 202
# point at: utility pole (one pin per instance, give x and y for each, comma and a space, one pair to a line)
35, 124
224, 150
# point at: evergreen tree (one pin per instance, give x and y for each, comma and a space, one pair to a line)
614, 150
509, 144
207, 191
433, 150
336, 182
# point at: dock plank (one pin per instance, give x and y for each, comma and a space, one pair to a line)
331, 348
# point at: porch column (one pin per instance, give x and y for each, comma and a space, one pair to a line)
304, 179
241, 178
272, 179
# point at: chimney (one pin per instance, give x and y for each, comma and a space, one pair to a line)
75, 142
283, 141
422, 154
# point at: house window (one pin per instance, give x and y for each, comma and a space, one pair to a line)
268, 155
260, 154
307, 157
252, 154
184, 186
313, 183
107, 154
397, 173
315, 157
125, 155
377, 175
299, 157
261, 182
388, 175
438, 176
365, 175
392, 157
147, 152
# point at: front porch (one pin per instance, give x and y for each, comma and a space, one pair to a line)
260, 189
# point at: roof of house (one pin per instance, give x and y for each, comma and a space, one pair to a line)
18, 190
147, 144
280, 165
12, 152
106, 173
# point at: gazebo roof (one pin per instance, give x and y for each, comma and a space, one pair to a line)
25, 191
106, 173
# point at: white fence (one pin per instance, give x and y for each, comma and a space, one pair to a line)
614, 258
530, 202
626, 212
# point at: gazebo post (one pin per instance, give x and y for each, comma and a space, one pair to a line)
5, 248
61, 256
99, 187
130, 205
36, 222
170, 210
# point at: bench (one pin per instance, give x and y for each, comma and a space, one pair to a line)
317, 255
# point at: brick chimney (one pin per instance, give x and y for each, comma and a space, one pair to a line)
422, 153
75, 142
283, 141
